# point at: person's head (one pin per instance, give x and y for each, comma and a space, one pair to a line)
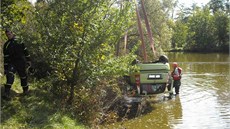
174, 64
9, 34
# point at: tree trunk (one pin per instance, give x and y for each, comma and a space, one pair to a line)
150, 35
141, 35
73, 82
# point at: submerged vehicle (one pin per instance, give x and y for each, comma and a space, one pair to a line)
151, 78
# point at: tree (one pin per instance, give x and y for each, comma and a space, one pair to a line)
78, 39
180, 33
221, 22
201, 31
159, 16
217, 5
14, 15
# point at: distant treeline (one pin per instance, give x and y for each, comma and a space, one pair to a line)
78, 46
203, 29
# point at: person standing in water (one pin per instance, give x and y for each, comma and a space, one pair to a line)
176, 75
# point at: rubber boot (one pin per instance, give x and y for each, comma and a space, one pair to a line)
25, 90
6, 95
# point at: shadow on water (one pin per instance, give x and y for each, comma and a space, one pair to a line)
162, 113
205, 90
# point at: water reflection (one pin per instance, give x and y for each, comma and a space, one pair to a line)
205, 96
204, 100
165, 115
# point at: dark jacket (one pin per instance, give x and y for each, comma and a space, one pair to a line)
15, 53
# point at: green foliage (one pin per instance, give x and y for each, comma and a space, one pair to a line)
159, 18
202, 30
75, 37
77, 40
222, 24
73, 44
201, 24
180, 34
13, 13
219, 5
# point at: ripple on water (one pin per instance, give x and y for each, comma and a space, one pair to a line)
203, 103
200, 98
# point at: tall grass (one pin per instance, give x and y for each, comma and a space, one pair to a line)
34, 111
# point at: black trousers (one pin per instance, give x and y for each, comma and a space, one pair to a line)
20, 68
176, 85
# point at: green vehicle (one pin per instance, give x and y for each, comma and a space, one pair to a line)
151, 78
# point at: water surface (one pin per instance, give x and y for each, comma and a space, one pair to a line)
204, 100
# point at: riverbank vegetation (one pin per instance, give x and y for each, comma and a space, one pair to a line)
202, 29
80, 56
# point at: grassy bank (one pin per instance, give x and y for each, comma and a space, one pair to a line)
35, 111
47, 108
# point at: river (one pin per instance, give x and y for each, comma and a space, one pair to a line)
204, 99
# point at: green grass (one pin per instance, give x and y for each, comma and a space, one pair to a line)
35, 111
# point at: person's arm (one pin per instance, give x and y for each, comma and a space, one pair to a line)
6, 56
180, 72
172, 73
20, 50
27, 55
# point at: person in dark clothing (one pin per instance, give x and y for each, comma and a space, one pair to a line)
16, 59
